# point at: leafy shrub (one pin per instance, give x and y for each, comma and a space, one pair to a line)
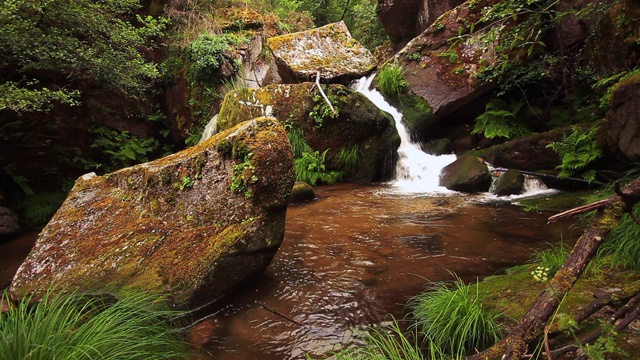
207, 54
454, 320
501, 120
81, 327
122, 148
310, 168
391, 80
577, 150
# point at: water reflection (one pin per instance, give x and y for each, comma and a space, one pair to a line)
357, 254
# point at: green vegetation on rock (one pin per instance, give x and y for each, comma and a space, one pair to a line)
391, 80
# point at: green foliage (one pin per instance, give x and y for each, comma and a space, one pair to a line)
38, 209
454, 320
384, 344
551, 259
207, 54
414, 56
122, 148
310, 168
243, 176
348, 158
49, 47
321, 111
391, 80
450, 55
577, 150
298, 142
82, 327
501, 119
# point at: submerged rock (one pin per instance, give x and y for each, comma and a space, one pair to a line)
467, 174
192, 225
510, 182
357, 126
329, 49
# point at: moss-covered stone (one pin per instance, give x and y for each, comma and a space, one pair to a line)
467, 174
170, 226
302, 192
509, 183
357, 122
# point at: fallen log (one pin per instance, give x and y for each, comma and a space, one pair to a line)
532, 326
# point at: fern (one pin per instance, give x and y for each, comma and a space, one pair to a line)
311, 169
577, 150
122, 148
501, 120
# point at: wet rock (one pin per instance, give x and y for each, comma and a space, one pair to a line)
193, 225
509, 183
438, 147
399, 18
466, 174
528, 153
9, 222
357, 124
431, 10
302, 192
622, 126
329, 49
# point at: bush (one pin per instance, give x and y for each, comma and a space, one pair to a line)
454, 321
391, 80
81, 327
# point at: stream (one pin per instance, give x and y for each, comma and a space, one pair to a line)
357, 254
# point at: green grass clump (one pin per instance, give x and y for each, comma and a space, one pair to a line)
72, 326
453, 320
348, 158
621, 245
298, 143
391, 80
383, 344
551, 259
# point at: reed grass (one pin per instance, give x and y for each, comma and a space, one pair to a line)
453, 320
81, 327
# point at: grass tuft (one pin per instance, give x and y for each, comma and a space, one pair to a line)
348, 158
72, 326
391, 80
453, 321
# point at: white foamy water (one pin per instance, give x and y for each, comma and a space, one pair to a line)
416, 171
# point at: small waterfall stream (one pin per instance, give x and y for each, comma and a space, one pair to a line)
416, 171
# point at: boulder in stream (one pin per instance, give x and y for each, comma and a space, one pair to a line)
510, 182
193, 225
329, 49
467, 174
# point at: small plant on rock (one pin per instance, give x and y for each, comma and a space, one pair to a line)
311, 169
391, 80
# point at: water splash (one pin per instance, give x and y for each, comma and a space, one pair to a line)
416, 171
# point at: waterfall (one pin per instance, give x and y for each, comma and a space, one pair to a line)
416, 171
209, 130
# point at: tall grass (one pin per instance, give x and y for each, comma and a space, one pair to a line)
82, 327
348, 158
622, 244
552, 258
383, 344
298, 142
391, 80
453, 321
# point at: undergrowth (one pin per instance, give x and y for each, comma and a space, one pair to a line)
310, 168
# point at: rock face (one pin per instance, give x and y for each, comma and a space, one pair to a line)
509, 183
329, 49
623, 120
357, 124
441, 74
466, 174
192, 225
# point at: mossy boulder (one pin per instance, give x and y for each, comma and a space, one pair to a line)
357, 124
329, 49
302, 192
622, 126
193, 225
466, 174
510, 182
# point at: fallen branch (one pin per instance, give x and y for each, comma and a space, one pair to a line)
280, 314
534, 322
323, 94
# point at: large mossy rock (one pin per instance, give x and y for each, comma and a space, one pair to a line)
329, 49
442, 75
466, 174
192, 226
358, 124
622, 126
510, 182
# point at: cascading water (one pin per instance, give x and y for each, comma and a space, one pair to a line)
416, 171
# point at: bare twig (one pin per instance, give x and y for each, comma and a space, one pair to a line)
280, 314
323, 94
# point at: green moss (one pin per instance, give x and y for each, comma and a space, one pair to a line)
416, 112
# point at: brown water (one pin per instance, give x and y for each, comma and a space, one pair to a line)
356, 255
